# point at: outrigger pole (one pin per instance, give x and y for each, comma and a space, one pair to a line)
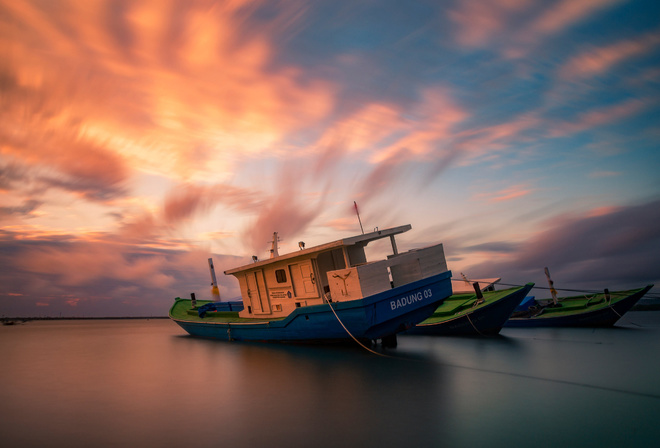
214, 283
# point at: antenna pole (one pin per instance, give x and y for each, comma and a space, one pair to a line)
358, 215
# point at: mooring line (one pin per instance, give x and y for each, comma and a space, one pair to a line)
559, 381
353, 337
474, 326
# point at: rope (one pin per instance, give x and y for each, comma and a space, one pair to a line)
353, 337
473, 326
584, 291
612, 308
648, 294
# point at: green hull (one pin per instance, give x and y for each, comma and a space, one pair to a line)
592, 310
467, 315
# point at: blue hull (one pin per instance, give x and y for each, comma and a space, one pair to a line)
374, 317
487, 320
603, 317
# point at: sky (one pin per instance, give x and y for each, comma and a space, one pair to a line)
140, 138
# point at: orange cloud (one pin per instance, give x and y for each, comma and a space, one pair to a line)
173, 89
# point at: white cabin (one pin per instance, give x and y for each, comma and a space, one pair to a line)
335, 272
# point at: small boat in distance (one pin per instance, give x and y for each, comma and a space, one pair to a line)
325, 293
481, 312
601, 309
587, 310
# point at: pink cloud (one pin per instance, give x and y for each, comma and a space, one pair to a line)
599, 60
598, 117
486, 139
599, 174
345, 224
613, 247
384, 174
507, 194
186, 201
481, 23
477, 22
364, 129
101, 271
602, 211
565, 13
431, 128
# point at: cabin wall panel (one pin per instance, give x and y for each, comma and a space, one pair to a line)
374, 278
432, 260
404, 273
417, 264
344, 285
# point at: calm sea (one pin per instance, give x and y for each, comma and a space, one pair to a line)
145, 383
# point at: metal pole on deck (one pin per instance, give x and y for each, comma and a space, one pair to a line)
394, 248
358, 215
553, 291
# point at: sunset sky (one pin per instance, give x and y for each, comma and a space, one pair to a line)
140, 138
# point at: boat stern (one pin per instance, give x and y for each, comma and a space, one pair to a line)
402, 308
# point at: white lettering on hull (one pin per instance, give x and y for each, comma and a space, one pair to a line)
410, 299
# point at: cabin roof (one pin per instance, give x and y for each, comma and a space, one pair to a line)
465, 286
359, 240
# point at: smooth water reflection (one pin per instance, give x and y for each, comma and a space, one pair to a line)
130, 383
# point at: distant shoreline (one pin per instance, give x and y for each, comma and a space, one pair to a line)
26, 319
5, 320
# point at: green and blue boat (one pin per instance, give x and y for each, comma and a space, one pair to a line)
475, 313
326, 293
589, 309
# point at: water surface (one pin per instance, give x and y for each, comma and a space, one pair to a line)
146, 383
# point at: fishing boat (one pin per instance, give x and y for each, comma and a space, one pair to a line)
479, 312
325, 293
601, 309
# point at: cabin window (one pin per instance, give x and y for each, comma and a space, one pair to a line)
280, 275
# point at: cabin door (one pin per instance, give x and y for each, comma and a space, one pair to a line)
304, 283
257, 292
